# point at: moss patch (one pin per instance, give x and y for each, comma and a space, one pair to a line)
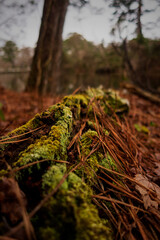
71, 214
53, 146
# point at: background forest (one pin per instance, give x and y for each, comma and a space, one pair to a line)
82, 63
85, 64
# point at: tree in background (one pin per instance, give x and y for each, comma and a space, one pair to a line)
126, 12
9, 52
46, 61
45, 69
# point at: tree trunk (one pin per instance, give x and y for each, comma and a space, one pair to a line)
132, 73
45, 69
139, 23
130, 69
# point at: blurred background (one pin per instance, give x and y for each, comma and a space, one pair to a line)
54, 47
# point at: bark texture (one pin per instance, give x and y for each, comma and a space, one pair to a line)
139, 23
45, 69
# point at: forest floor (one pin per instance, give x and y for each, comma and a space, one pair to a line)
143, 117
143, 121
18, 108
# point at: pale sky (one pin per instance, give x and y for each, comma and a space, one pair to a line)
94, 27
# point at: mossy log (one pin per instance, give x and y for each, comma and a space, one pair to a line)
42, 154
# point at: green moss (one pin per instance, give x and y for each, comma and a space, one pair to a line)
97, 93
118, 104
97, 157
87, 143
76, 102
70, 214
92, 126
76, 99
53, 146
64, 113
41, 149
108, 100
3, 173
53, 176
30, 125
109, 163
141, 128
90, 226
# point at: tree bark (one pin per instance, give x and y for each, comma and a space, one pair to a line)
45, 68
128, 63
139, 23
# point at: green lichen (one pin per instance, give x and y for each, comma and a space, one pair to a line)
70, 214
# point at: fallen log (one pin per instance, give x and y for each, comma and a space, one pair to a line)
142, 93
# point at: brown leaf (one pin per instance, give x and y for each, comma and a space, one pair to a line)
148, 202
